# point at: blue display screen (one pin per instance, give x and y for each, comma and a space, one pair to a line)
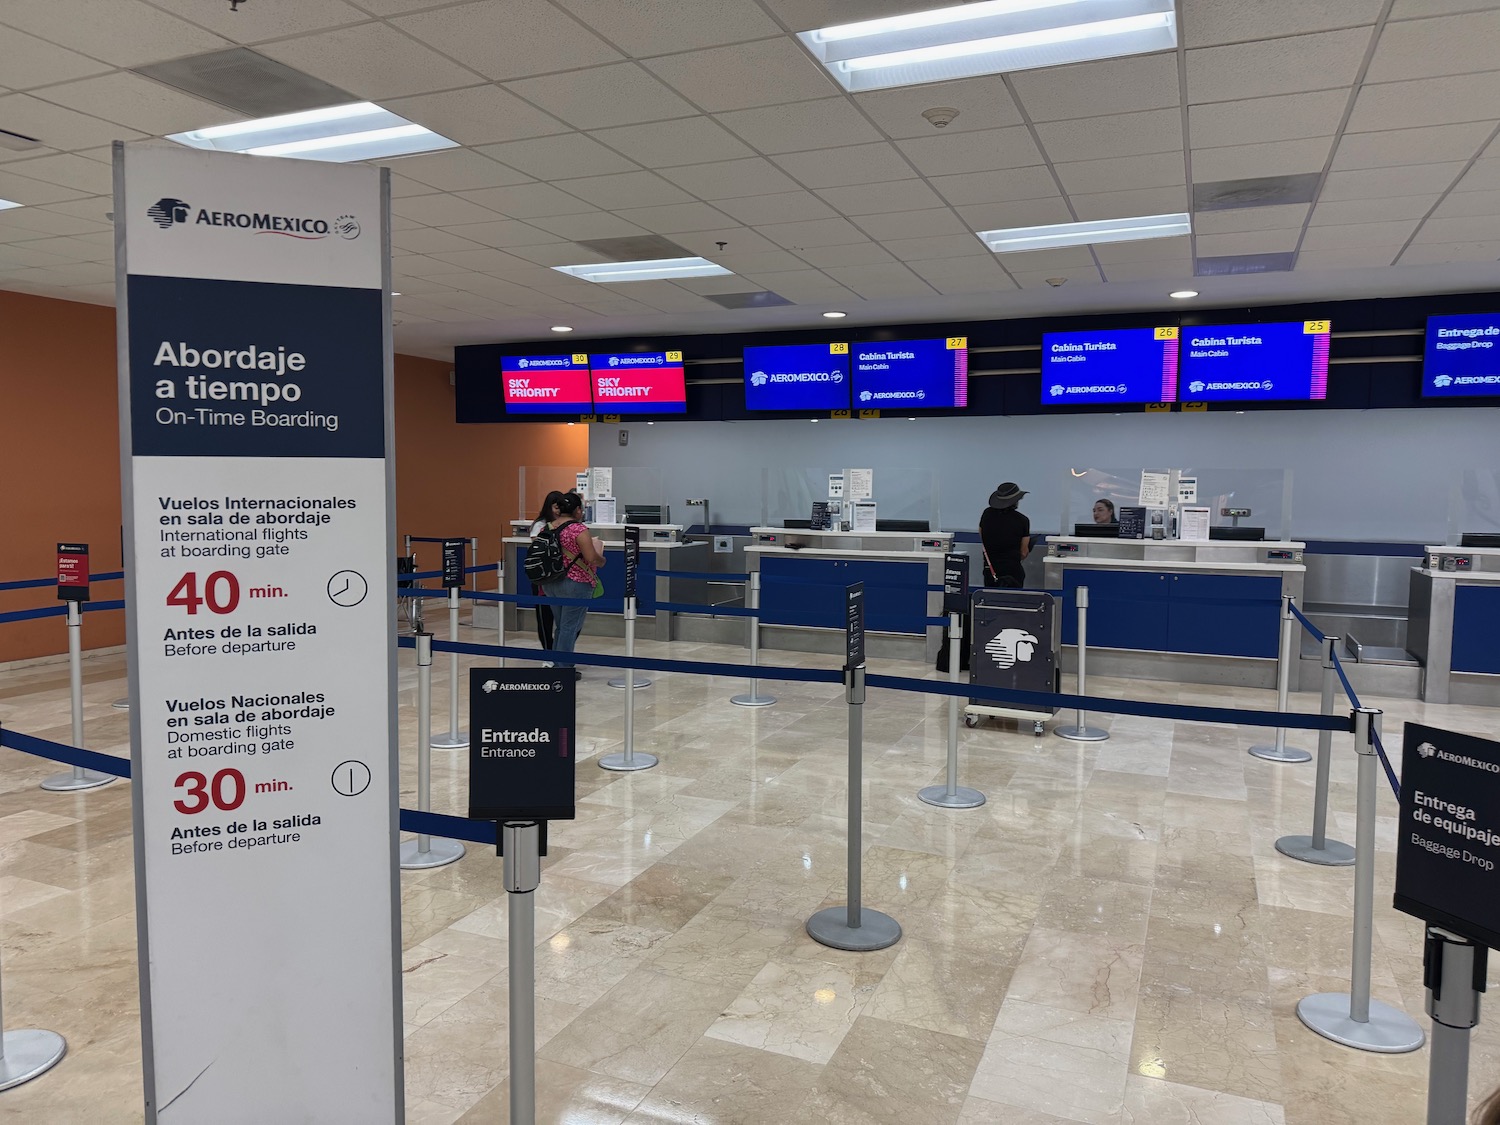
1254, 362
911, 374
797, 377
1462, 356
1111, 365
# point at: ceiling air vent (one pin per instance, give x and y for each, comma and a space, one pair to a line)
635, 248
1245, 263
764, 299
249, 83
18, 142
1266, 191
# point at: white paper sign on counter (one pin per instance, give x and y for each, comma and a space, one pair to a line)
1154, 489
1192, 524
863, 518
860, 483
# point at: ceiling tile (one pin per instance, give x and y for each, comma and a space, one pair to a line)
738, 242
502, 233
853, 254
879, 199
1358, 235
1276, 66
771, 72
983, 103
690, 140
1257, 120
1310, 260
28, 254
509, 40
1075, 276
1160, 270
1460, 204
253, 23
1248, 242
402, 186
440, 211
677, 218
1471, 228
373, 60
82, 216
591, 224
1123, 173
625, 189
1342, 212
1427, 101
480, 259
758, 262
69, 171
478, 115
1236, 220
56, 126
122, 32
733, 179
873, 282
28, 61
790, 206
566, 156
911, 224
20, 189
557, 254
430, 240
817, 232
826, 123
946, 246
998, 186
847, 167
1207, 22
1145, 250
1122, 134
973, 152
1124, 204
1023, 213
1384, 183
1412, 146
1093, 89
618, 94
1413, 9
129, 99
1431, 254
1484, 175
1426, 48
456, 169
645, 27
803, 285
1277, 158
528, 201
805, 15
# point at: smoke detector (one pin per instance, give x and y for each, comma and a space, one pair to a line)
940, 116
1057, 282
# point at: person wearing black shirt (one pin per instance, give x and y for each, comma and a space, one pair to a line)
1006, 537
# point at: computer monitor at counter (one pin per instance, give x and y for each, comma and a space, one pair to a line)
1479, 539
914, 526
1093, 530
1241, 534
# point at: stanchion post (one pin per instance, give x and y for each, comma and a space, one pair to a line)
628, 760
952, 795
1453, 968
1317, 848
1279, 751
455, 739
852, 927
630, 680
424, 851
1080, 731
27, 1052
1355, 1019
521, 848
752, 598
78, 777
500, 610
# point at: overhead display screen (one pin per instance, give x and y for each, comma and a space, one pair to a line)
797, 377
1255, 362
546, 384
1115, 365
911, 374
1462, 356
639, 383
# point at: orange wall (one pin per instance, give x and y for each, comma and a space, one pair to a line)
60, 471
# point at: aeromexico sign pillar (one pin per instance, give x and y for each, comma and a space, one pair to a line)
255, 404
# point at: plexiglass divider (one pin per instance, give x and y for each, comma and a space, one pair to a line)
899, 493
1266, 492
1474, 505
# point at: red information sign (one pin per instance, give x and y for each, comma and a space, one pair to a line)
73, 572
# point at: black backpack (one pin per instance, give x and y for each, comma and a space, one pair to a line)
545, 558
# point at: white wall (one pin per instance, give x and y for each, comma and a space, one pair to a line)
1365, 475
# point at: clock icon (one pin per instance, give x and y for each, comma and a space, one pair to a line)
347, 588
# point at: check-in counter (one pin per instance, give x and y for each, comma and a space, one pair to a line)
662, 551
803, 575
1199, 612
1454, 621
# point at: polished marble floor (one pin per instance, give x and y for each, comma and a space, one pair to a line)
1111, 938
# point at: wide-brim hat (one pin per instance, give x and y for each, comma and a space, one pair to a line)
1008, 495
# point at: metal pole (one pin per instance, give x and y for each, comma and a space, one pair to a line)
500, 610
407, 551
1355, 1019
1317, 848
27, 1052
630, 679
952, 795
1454, 969
424, 851
853, 928
78, 777
455, 739
1080, 731
521, 844
754, 698
1278, 751
628, 761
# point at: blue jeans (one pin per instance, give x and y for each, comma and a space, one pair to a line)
569, 617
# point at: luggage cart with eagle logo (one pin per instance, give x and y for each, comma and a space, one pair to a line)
1012, 644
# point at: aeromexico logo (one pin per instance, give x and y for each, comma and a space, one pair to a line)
169, 212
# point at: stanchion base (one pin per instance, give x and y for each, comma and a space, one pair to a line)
619, 682
1333, 853
621, 764
1389, 1032
831, 927
752, 700
121, 704
1285, 754
960, 798
29, 1052
439, 853
69, 782
451, 741
1081, 734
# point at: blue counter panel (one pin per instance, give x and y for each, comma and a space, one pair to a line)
810, 591
1476, 629
1213, 614
613, 575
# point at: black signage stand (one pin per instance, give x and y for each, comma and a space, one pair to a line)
453, 563
632, 558
955, 583
73, 572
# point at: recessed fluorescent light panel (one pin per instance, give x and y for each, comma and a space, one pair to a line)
656, 269
1085, 234
6, 204
989, 37
340, 133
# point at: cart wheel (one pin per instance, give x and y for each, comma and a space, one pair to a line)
1036, 727
971, 721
